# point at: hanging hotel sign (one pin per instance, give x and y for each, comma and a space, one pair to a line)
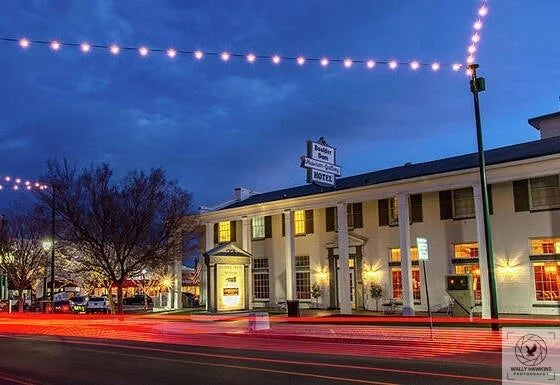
320, 163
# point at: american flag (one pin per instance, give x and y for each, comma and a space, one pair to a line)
196, 274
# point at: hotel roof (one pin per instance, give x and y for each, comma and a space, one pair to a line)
516, 152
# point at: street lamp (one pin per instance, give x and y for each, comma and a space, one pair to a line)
47, 245
477, 85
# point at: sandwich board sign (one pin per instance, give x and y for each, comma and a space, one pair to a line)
320, 163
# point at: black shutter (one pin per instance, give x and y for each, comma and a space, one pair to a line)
309, 222
521, 195
329, 215
268, 226
232, 231
490, 200
416, 214
216, 229
358, 218
283, 225
383, 211
445, 205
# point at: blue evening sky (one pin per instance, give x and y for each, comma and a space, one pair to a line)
214, 125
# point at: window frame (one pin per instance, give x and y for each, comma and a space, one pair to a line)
537, 302
220, 232
299, 222
259, 270
258, 226
546, 206
418, 290
453, 204
306, 270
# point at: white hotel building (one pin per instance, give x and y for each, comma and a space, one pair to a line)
364, 230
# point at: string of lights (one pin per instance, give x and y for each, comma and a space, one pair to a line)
225, 56
275, 59
8, 182
475, 38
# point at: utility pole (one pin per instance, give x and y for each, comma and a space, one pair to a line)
477, 85
52, 246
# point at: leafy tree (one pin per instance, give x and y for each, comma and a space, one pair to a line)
117, 228
22, 255
376, 292
316, 292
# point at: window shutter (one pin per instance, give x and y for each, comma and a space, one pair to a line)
490, 200
521, 195
232, 231
416, 214
268, 226
358, 218
445, 205
216, 229
309, 222
283, 225
383, 211
329, 215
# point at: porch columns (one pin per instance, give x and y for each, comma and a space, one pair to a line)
482, 260
246, 245
290, 250
178, 284
406, 265
205, 274
343, 265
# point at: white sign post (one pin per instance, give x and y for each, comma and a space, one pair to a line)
320, 163
422, 245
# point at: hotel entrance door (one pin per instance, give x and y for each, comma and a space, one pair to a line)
352, 282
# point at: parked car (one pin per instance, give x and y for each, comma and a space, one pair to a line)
138, 299
60, 307
79, 304
97, 305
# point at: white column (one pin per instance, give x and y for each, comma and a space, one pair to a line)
178, 284
246, 245
170, 269
290, 250
205, 291
482, 260
406, 265
343, 264
209, 236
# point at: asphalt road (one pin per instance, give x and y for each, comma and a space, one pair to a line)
32, 359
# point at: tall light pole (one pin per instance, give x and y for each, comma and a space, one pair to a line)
52, 248
477, 85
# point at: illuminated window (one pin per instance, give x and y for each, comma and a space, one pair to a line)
261, 283
463, 203
303, 277
545, 246
299, 222
224, 232
395, 254
545, 192
547, 280
397, 283
473, 269
465, 250
258, 227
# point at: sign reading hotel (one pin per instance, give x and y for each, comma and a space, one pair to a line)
230, 287
320, 163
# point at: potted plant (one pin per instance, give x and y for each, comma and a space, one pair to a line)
376, 292
316, 293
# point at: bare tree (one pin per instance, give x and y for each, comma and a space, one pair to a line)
118, 228
22, 255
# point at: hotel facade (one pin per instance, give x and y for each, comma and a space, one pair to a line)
263, 249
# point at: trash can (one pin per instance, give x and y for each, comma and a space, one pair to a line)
293, 308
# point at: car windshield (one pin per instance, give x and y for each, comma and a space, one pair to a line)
78, 299
96, 299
